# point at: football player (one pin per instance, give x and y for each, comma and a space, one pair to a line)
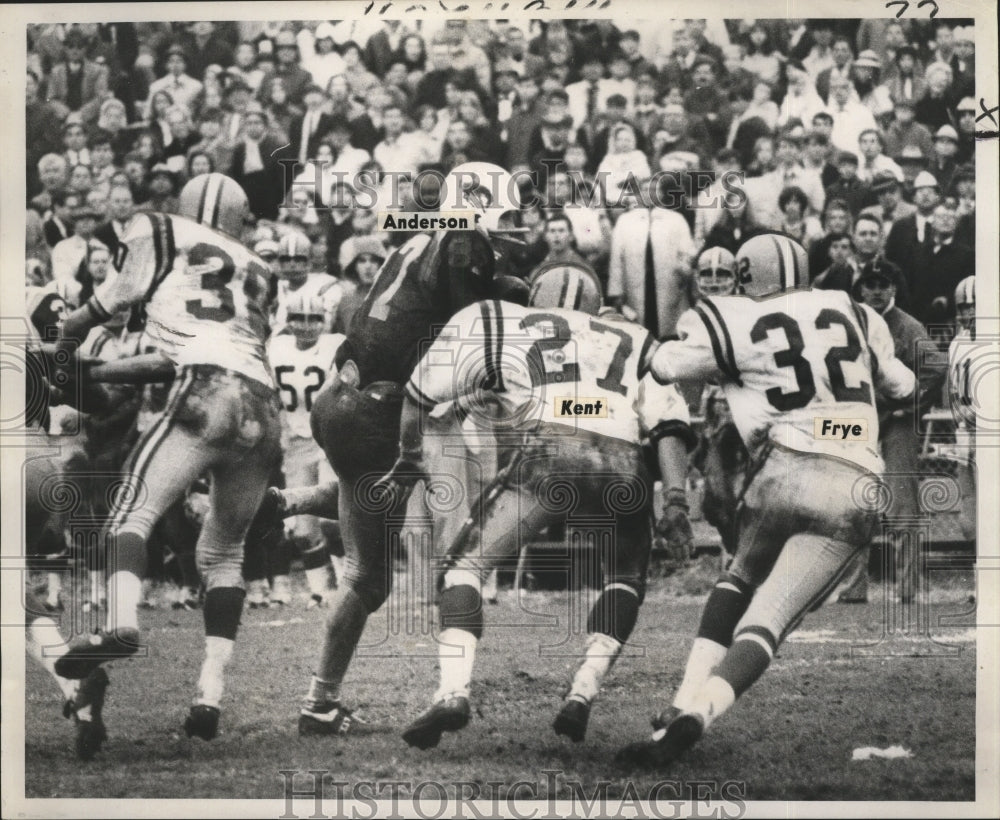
302, 363
356, 417
206, 300
542, 364
792, 361
294, 254
964, 406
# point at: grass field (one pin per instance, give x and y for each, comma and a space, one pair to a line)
790, 738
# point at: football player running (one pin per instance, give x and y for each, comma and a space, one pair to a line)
302, 363
206, 300
529, 360
964, 405
356, 417
786, 356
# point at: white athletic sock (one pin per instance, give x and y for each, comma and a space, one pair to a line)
705, 656
218, 651
124, 594
46, 646
714, 700
318, 580
456, 657
54, 582
602, 651
96, 582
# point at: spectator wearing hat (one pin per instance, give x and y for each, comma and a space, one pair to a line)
965, 112
871, 159
162, 186
841, 54
255, 165
912, 161
77, 85
934, 108
899, 438
181, 87
908, 233
939, 266
904, 130
365, 257
906, 82
944, 160
850, 115
890, 206
866, 74
295, 79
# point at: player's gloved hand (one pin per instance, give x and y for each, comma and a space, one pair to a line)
673, 530
399, 481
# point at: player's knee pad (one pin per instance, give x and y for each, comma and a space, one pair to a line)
221, 564
615, 611
461, 607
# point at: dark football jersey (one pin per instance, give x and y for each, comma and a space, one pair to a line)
418, 288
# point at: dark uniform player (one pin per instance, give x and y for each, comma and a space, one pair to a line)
206, 299
356, 417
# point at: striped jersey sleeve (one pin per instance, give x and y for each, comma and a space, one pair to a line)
704, 349
144, 258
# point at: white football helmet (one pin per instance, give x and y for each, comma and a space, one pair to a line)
482, 187
965, 293
769, 264
217, 201
716, 270
566, 285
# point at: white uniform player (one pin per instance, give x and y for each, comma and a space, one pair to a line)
302, 363
799, 368
297, 282
962, 354
576, 390
206, 300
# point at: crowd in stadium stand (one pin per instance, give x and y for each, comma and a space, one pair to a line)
855, 137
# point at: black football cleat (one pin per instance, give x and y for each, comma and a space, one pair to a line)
447, 715
203, 721
90, 732
666, 745
330, 718
572, 719
87, 652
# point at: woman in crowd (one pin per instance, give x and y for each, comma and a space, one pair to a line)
623, 158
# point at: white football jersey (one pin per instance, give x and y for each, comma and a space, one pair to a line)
788, 361
961, 355
320, 285
300, 374
206, 297
548, 365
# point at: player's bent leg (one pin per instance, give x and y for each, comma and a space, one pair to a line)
159, 472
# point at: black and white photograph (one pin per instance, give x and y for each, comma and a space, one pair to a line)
500, 409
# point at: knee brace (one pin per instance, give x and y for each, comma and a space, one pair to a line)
461, 607
615, 611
